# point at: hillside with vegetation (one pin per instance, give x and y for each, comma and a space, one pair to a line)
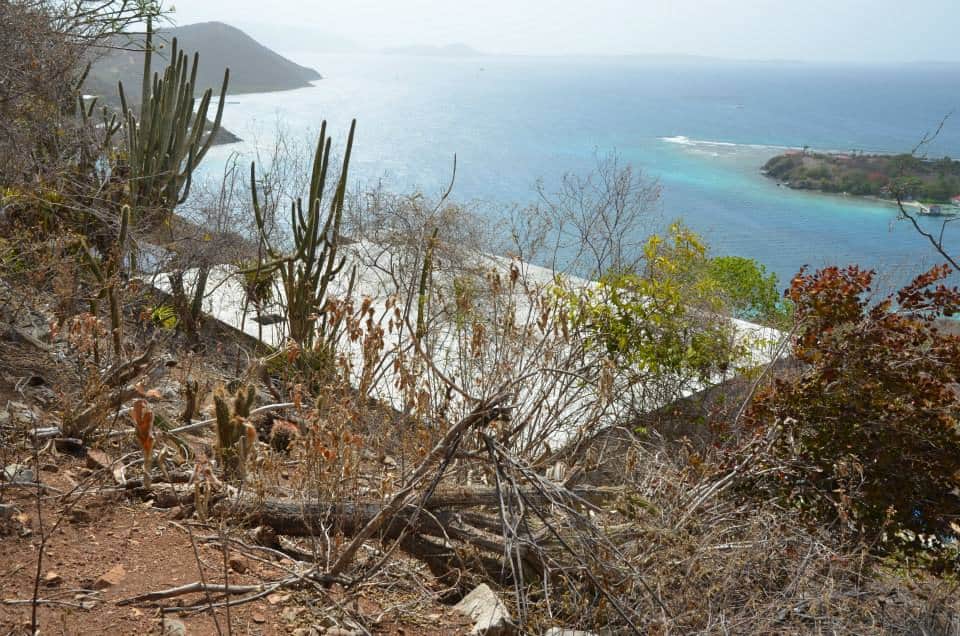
254, 68
310, 409
887, 176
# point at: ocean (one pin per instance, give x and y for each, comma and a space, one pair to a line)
703, 129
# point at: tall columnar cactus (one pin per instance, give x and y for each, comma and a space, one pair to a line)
236, 436
167, 142
423, 290
307, 271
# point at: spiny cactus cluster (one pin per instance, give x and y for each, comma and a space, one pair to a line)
167, 142
307, 272
105, 269
236, 436
108, 127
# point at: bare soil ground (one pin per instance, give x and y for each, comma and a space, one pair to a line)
139, 550
105, 545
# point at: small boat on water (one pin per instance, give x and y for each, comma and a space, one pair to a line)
938, 209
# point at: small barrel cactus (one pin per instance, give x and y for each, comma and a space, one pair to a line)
236, 436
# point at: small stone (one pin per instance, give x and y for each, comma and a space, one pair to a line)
340, 631
18, 474
258, 617
18, 413
111, 577
488, 612
276, 599
173, 627
290, 614
237, 564
52, 579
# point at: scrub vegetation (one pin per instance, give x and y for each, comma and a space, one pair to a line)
405, 404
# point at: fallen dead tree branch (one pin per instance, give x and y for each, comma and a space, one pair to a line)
429, 531
591, 497
407, 517
191, 588
485, 412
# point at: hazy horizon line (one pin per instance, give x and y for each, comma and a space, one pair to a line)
347, 45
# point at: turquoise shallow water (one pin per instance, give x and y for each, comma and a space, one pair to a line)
511, 121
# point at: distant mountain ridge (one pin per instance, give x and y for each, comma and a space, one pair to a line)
254, 68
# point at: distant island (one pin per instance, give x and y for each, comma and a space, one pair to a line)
253, 67
449, 50
931, 181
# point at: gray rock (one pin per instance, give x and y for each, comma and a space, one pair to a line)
18, 414
18, 474
490, 615
173, 627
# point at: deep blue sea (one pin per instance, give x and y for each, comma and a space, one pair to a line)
703, 129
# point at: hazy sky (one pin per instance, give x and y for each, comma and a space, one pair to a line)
845, 30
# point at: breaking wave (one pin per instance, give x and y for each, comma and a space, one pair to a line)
683, 140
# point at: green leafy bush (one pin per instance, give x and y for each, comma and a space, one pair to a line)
751, 293
666, 319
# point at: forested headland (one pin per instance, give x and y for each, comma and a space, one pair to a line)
887, 176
